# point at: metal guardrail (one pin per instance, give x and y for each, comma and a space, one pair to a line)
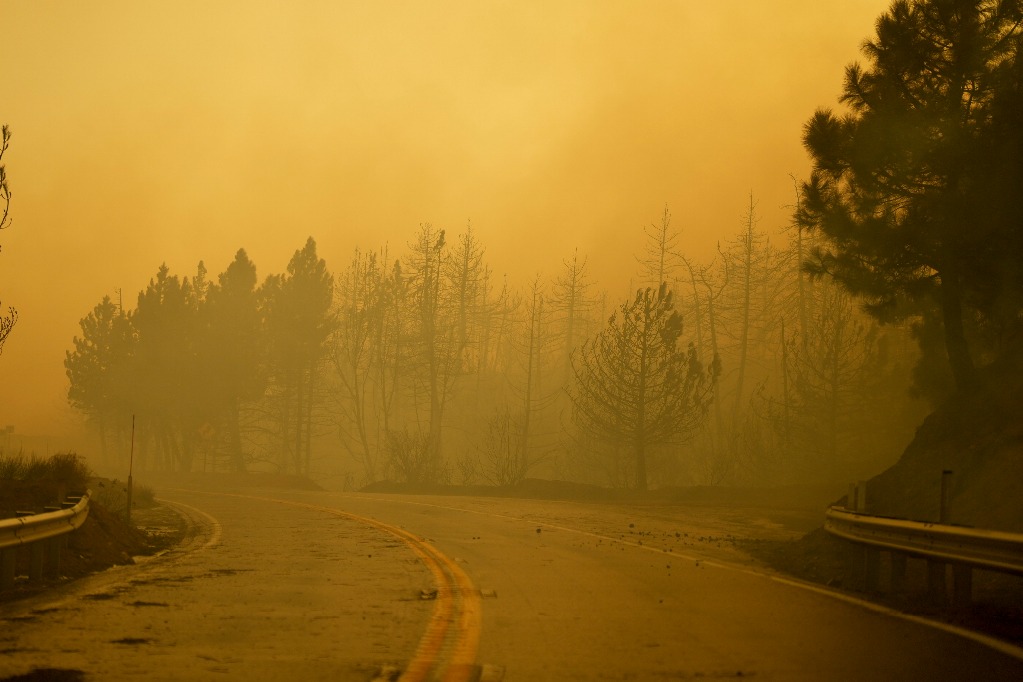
942, 546
43, 534
989, 549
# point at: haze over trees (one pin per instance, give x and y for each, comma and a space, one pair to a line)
211, 371
423, 367
637, 384
785, 357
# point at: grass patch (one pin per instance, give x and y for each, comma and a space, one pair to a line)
31, 482
68, 469
114, 495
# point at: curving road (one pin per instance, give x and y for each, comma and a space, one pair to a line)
288, 585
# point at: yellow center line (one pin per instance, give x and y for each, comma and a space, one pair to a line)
455, 591
463, 655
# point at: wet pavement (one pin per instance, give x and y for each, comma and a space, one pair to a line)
274, 585
257, 592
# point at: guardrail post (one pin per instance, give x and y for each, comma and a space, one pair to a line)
940, 545
962, 585
898, 575
36, 560
936, 581
8, 560
44, 536
871, 568
857, 499
946, 494
53, 547
127, 505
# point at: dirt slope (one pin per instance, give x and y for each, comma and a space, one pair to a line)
978, 435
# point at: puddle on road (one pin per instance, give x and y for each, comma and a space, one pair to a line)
49, 675
132, 641
147, 603
230, 571
162, 580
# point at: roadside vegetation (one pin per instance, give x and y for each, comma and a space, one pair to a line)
423, 367
34, 482
28, 483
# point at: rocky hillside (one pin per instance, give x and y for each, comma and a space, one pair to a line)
978, 435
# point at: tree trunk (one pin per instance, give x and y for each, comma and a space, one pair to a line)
955, 337
833, 385
747, 287
237, 460
785, 385
103, 440
641, 476
309, 421
298, 423
641, 394
285, 457
719, 421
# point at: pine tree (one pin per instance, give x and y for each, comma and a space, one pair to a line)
635, 385
234, 345
899, 184
301, 322
168, 381
99, 372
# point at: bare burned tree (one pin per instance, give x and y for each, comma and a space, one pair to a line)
358, 308
661, 257
573, 311
8, 321
503, 451
5, 192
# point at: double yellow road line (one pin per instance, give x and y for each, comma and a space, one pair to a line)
458, 605
447, 650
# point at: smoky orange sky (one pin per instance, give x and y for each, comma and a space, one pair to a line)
147, 132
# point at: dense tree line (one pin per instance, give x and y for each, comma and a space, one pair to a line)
785, 356
423, 366
224, 372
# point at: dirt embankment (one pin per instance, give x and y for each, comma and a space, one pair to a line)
104, 540
978, 437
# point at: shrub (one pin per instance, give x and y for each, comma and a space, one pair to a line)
67, 469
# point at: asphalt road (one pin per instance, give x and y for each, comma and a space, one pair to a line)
276, 585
